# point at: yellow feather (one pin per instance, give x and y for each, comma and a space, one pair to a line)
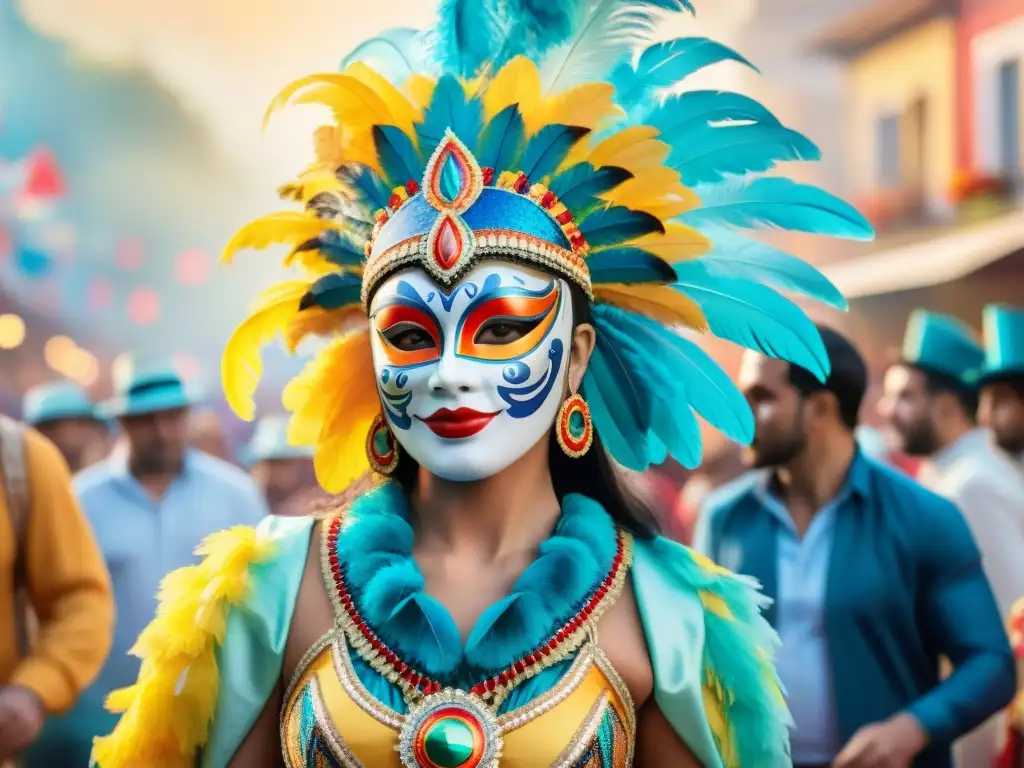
678, 243
586, 106
650, 187
241, 367
518, 82
352, 101
633, 148
168, 711
354, 403
659, 302
285, 228
403, 114
317, 321
420, 89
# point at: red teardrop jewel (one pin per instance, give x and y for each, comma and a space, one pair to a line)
447, 245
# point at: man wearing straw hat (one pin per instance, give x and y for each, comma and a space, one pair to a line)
151, 503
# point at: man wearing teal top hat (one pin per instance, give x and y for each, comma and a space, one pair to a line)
931, 400
63, 412
284, 472
1002, 378
150, 503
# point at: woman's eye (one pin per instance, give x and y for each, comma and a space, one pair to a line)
408, 337
504, 331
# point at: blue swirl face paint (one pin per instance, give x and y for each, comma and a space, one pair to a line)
472, 379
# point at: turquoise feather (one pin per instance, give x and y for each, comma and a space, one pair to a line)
680, 113
365, 181
618, 224
708, 389
339, 249
708, 153
628, 266
502, 141
466, 35
668, 63
548, 148
754, 316
779, 203
578, 187
450, 109
627, 405
397, 154
737, 256
333, 291
623, 436
395, 53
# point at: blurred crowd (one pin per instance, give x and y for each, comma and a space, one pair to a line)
104, 499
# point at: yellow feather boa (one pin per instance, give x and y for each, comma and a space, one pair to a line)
167, 713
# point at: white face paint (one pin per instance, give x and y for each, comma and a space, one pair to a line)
471, 380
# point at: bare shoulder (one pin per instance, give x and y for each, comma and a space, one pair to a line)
621, 637
314, 614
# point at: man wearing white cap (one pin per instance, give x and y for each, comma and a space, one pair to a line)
151, 503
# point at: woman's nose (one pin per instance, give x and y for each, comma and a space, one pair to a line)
454, 375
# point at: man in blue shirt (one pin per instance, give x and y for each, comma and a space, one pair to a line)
873, 577
150, 504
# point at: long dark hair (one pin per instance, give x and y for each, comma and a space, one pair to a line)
592, 475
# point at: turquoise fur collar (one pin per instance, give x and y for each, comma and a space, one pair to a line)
375, 549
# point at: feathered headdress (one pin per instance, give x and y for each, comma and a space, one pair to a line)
528, 130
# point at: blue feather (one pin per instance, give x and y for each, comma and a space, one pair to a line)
712, 153
502, 141
628, 266
395, 53
665, 64
734, 255
365, 181
617, 412
578, 187
619, 446
536, 27
338, 248
682, 112
754, 316
449, 108
708, 389
398, 157
779, 203
548, 148
618, 224
333, 291
466, 35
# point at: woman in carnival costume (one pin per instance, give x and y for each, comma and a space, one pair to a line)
526, 224
1012, 755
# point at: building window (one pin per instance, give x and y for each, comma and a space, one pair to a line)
1008, 101
888, 151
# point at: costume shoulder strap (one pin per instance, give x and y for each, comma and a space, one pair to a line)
186, 674
712, 659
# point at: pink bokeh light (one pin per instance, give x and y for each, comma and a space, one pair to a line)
192, 267
143, 306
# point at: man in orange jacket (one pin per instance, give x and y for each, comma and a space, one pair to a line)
47, 550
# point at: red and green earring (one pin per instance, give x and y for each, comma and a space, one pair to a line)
574, 429
381, 447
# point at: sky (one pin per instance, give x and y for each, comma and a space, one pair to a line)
154, 111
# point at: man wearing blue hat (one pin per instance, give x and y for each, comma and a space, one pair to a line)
931, 400
151, 503
1002, 378
63, 412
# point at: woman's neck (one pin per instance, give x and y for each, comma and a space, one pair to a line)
506, 513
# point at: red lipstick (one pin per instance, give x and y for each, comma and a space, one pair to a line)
457, 424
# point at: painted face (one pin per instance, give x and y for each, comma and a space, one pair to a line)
471, 380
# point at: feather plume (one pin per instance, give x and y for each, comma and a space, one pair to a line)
628, 266
518, 82
635, 148
317, 321
658, 302
336, 290
537, 25
682, 112
339, 250
665, 64
466, 35
501, 143
285, 228
546, 151
618, 404
395, 53
579, 187
450, 108
709, 154
737, 256
588, 106
366, 183
778, 203
420, 89
609, 226
351, 101
398, 156
754, 316
241, 367
678, 243
403, 114
658, 191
